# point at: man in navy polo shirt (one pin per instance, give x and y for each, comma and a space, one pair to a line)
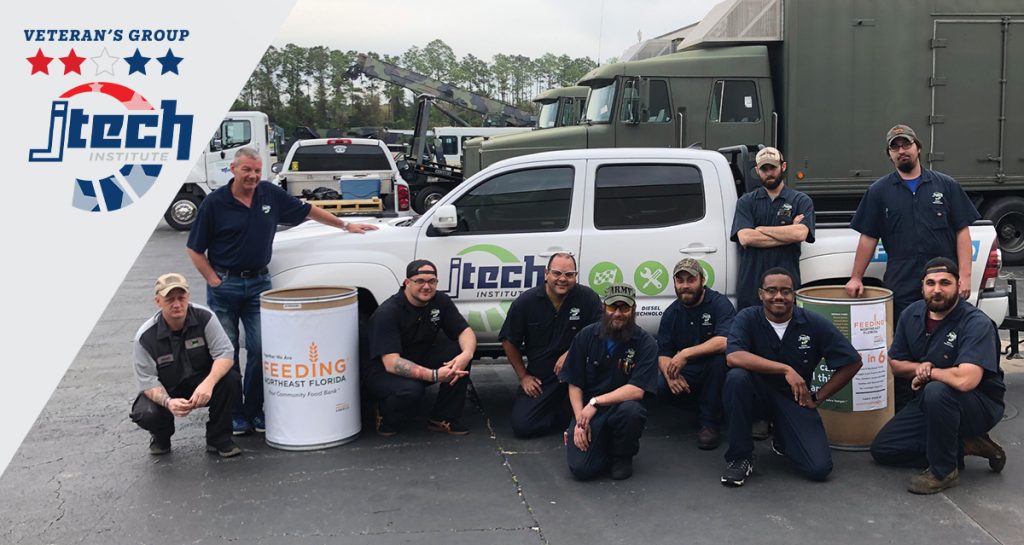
918, 214
542, 321
772, 353
609, 368
230, 245
413, 336
691, 349
949, 350
770, 224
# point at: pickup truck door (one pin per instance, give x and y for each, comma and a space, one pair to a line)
641, 216
509, 224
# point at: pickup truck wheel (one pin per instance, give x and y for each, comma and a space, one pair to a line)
1007, 214
427, 197
182, 212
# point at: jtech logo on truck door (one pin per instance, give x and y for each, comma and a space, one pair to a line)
116, 140
496, 274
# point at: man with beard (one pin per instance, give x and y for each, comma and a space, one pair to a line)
949, 350
772, 353
543, 321
609, 368
418, 338
770, 223
691, 349
918, 214
230, 245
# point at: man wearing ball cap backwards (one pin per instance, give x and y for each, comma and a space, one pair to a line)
610, 366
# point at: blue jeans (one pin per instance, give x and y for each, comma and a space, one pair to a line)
237, 299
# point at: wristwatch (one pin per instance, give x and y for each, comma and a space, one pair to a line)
592, 402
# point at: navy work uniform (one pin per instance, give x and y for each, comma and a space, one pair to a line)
747, 395
914, 226
179, 361
424, 335
238, 239
598, 366
928, 431
754, 209
546, 334
682, 327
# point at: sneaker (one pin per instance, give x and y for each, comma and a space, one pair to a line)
159, 445
708, 439
622, 468
240, 425
737, 472
384, 429
451, 427
777, 446
927, 483
227, 449
984, 446
259, 424
760, 430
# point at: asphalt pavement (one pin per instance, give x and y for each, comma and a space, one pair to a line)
83, 475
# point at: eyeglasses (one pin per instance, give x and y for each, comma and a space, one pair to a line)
896, 146
569, 275
773, 291
421, 281
621, 307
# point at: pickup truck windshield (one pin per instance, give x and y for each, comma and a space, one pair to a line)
339, 157
599, 103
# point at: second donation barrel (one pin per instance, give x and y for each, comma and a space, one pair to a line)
855, 414
310, 366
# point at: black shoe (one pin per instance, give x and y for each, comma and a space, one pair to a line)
226, 449
708, 439
737, 472
451, 427
777, 446
984, 446
383, 427
159, 445
622, 468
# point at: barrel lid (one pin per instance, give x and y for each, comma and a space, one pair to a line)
837, 294
309, 294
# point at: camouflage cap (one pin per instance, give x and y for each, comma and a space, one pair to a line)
619, 293
900, 131
769, 156
688, 265
170, 281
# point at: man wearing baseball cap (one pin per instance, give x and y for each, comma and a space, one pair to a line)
918, 214
949, 350
770, 224
183, 361
691, 349
610, 366
418, 338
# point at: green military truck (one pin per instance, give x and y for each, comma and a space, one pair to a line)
823, 81
562, 106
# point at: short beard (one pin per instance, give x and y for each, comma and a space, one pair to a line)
942, 306
617, 335
907, 167
697, 295
771, 186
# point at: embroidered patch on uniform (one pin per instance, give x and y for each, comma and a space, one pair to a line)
707, 319
195, 343
435, 315
786, 210
574, 313
937, 197
950, 339
628, 364
266, 208
805, 341
167, 358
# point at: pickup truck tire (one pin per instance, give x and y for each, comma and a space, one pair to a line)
1007, 213
427, 197
182, 212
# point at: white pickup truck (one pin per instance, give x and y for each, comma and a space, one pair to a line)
627, 214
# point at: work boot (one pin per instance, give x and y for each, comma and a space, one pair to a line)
984, 446
451, 427
926, 482
384, 428
159, 445
760, 430
622, 468
708, 439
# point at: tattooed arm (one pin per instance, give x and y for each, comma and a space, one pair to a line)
397, 365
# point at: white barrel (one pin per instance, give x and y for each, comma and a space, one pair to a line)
310, 366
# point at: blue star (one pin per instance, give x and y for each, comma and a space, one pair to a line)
136, 63
169, 63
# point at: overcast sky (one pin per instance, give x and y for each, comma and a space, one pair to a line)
598, 29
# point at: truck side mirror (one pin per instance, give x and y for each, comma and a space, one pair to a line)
276, 167
445, 219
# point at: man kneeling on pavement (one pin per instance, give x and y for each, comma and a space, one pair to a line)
611, 365
949, 350
412, 342
183, 361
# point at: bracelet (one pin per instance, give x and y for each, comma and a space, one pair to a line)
435, 375
344, 226
167, 403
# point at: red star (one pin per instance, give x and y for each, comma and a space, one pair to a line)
40, 62
72, 63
